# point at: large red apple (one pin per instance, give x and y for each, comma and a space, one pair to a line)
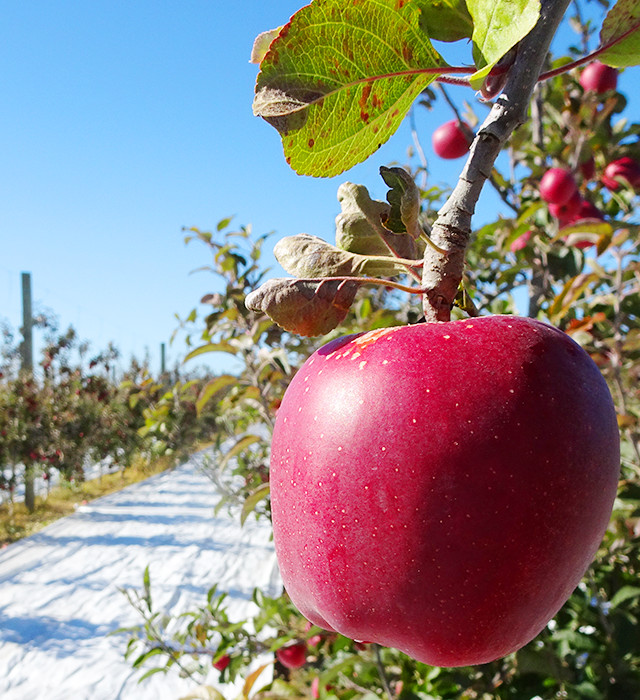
441, 488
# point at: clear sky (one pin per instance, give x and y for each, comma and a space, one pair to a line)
121, 123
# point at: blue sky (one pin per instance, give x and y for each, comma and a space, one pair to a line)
121, 123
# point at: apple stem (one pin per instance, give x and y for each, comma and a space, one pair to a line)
442, 274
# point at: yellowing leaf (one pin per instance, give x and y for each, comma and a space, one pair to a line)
214, 388
261, 44
304, 255
240, 446
252, 501
251, 679
336, 87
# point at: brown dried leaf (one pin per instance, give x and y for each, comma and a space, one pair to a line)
359, 227
310, 256
306, 307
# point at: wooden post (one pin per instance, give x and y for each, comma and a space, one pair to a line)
26, 355
26, 349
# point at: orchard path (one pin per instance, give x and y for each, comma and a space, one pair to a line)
60, 597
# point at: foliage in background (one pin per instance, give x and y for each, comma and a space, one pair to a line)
73, 412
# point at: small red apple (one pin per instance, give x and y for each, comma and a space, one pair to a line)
314, 640
293, 655
222, 662
626, 168
520, 242
451, 140
599, 78
557, 186
567, 211
588, 211
441, 488
588, 168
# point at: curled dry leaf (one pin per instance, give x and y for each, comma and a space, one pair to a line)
310, 256
306, 307
404, 198
359, 227
261, 44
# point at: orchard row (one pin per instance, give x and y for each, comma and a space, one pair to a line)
71, 413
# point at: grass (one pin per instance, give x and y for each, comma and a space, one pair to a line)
16, 522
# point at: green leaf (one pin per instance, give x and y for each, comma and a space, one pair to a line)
445, 20
147, 655
223, 223
151, 672
211, 347
336, 87
213, 388
594, 230
239, 447
498, 25
306, 307
146, 585
622, 19
252, 501
624, 594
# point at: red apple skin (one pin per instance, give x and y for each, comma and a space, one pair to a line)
450, 141
599, 78
627, 168
588, 210
567, 211
588, 168
293, 655
222, 662
521, 242
557, 186
441, 488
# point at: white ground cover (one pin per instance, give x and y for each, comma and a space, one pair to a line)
60, 597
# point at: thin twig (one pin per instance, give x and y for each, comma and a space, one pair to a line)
381, 672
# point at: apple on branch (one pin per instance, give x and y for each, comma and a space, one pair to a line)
599, 78
452, 139
292, 655
441, 488
557, 186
